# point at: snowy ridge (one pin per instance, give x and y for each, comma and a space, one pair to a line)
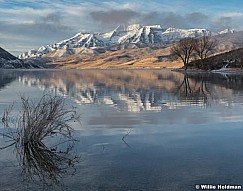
132, 34
8, 61
227, 31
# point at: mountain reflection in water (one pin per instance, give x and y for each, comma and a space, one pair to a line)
141, 130
138, 90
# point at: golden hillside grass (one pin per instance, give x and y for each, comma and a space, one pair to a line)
129, 58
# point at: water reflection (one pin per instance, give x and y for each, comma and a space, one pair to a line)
148, 129
7, 77
195, 91
43, 139
138, 90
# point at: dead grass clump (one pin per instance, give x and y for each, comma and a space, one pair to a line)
32, 128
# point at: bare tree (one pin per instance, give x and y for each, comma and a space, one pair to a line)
183, 50
204, 46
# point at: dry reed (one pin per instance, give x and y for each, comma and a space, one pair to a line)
30, 131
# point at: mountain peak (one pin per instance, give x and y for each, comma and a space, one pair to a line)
6, 55
134, 34
133, 27
8, 61
225, 31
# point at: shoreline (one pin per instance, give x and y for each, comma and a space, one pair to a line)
180, 70
219, 71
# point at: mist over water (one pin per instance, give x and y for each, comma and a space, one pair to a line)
141, 129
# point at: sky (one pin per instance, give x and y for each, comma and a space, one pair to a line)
29, 24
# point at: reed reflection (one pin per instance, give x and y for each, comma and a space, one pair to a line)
43, 139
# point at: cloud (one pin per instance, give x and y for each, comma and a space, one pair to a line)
197, 18
36, 23
112, 18
174, 20
51, 23
115, 17
151, 18
51, 18
227, 22
233, 14
33, 33
46, 26
224, 22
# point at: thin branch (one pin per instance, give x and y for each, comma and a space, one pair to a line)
123, 138
28, 130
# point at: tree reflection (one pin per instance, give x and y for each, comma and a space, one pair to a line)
43, 139
147, 90
194, 89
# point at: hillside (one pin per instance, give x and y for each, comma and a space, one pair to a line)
128, 58
229, 59
8, 61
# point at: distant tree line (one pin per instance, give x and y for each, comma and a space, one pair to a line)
197, 48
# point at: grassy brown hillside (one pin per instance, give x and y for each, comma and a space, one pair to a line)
133, 57
230, 59
129, 58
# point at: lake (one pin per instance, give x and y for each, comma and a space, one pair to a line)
140, 130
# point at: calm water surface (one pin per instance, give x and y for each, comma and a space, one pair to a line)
141, 130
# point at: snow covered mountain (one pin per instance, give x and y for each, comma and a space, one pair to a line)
135, 34
8, 61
